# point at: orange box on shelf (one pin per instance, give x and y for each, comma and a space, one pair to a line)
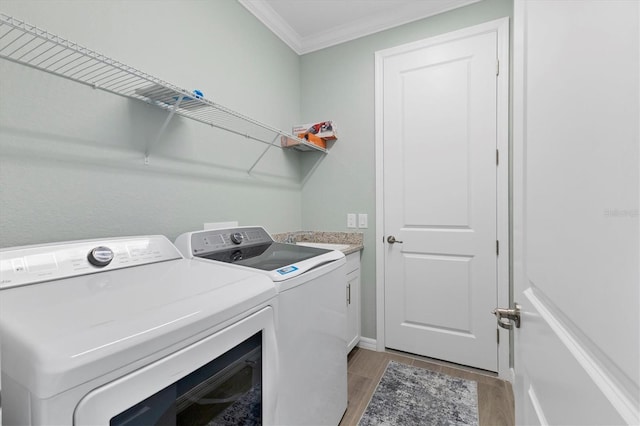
310, 137
287, 142
323, 129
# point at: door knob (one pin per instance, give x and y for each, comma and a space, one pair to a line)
505, 316
392, 240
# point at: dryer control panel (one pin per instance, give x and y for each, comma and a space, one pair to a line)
34, 264
215, 240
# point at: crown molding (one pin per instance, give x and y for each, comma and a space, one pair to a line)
274, 22
367, 25
372, 24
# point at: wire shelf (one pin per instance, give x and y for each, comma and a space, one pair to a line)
31, 46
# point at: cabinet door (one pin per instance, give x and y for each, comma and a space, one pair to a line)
353, 300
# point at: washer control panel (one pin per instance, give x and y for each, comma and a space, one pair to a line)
214, 240
100, 256
34, 264
236, 237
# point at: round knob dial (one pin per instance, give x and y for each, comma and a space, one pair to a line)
236, 256
100, 256
236, 238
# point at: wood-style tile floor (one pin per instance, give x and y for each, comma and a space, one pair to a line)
365, 368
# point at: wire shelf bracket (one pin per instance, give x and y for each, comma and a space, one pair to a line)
162, 129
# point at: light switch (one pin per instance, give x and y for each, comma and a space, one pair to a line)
351, 220
363, 220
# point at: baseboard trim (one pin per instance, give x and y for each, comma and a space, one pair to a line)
368, 343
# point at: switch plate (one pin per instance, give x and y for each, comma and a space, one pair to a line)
351, 220
363, 220
220, 225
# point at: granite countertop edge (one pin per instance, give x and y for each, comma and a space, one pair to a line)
355, 240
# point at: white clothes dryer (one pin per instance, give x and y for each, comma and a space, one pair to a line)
127, 331
311, 318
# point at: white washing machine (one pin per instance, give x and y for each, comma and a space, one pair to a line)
311, 319
127, 331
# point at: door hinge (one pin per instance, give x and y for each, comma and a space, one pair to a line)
497, 67
497, 157
497, 247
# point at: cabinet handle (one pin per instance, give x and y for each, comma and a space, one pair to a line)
348, 294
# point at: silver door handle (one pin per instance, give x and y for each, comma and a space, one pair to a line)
505, 316
392, 240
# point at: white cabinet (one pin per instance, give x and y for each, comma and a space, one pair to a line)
353, 300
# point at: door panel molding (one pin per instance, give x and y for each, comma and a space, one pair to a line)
501, 28
607, 376
565, 355
536, 407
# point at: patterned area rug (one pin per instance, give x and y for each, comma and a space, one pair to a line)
408, 395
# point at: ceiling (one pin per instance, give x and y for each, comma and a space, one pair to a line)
309, 25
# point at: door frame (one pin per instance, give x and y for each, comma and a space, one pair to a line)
501, 28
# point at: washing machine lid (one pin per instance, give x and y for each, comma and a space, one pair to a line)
59, 333
252, 247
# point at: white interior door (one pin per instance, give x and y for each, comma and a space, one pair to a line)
439, 148
576, 231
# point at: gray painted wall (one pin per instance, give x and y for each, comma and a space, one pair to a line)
338, 84
71, 157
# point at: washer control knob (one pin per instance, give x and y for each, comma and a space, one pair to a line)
236, 238
236, 256
100, 256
